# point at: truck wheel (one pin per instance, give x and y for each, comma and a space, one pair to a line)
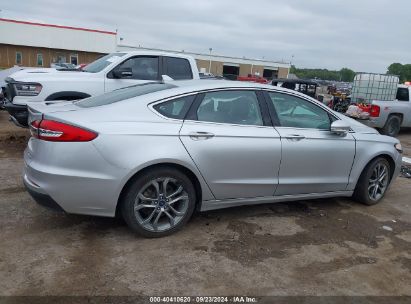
373, 182
392, 126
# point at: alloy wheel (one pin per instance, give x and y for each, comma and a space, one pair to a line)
161, 204
378, 182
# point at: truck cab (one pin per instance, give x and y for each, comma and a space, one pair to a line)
108, 73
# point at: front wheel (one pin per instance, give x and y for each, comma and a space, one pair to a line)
159, 202
373, 182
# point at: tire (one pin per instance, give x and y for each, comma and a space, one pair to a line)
148, 210
364, 192
392, 126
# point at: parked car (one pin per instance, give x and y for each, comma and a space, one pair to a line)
209, 76
63, 66
307, 87
253, 78
106, 74
154, 153
81, 66
2, 99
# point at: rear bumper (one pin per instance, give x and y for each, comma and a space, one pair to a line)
42, 199
18, 113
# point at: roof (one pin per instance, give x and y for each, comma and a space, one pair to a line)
205, 84
188, 86
157, 53
57, 26
215, 57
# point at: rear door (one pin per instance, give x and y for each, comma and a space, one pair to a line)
233, 144
314, 160
177, 68
144, 69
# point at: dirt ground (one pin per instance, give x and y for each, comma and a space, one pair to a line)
320, 247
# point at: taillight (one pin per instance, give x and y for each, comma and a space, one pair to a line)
34, 128
374, 111
51, 130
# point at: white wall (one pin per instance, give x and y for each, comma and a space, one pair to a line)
56, 37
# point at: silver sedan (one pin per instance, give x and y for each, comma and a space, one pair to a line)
157, 152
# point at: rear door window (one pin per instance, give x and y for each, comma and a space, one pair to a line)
177, 68
230, 107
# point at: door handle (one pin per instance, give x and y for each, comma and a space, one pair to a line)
200, 135
295, 137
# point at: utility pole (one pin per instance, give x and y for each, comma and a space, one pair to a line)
291, 63
209, 67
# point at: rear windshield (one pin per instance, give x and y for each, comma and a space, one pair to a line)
123, 94
403, 94
103, 62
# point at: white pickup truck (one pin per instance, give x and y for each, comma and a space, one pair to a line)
390, 116
111, 72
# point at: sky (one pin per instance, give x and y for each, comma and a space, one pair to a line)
364, 35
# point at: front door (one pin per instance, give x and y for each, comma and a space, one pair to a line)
235, 151
314, 160
144, 69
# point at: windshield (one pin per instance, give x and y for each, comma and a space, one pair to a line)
123, 94
102, 63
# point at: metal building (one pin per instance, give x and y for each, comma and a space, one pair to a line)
39, 45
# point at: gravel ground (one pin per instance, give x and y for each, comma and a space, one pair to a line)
320, 247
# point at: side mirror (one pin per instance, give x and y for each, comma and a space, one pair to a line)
122, 73
340, 127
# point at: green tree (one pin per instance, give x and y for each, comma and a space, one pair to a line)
407, 72
401, 70
347, 75
342, 75
395, 69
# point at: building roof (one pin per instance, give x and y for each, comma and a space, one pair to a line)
35, 34
57, 26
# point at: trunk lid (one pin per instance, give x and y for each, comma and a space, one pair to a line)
37, 111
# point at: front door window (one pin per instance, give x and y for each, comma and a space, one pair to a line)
296, 112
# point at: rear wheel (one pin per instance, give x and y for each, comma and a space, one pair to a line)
159, 202
373, 182
392, 126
